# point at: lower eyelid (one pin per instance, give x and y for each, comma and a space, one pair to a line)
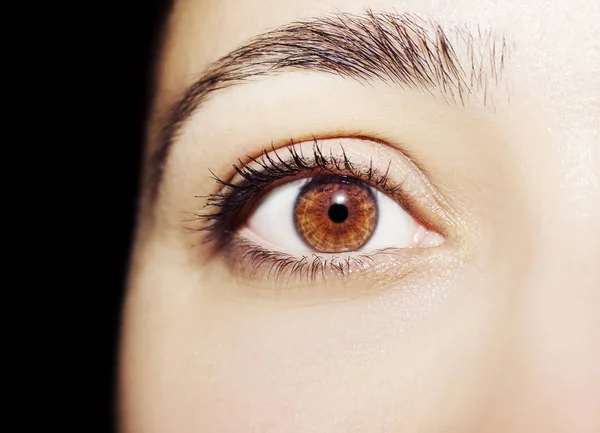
254, 263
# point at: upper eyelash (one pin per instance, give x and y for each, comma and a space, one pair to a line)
223, 207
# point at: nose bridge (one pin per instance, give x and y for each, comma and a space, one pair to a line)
558, 333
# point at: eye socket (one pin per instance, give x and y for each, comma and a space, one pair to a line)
332, 214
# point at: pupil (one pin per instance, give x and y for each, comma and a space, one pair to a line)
338, 213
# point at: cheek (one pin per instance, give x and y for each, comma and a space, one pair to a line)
383, 362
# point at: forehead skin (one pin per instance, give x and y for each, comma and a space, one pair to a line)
514, 348
555, 42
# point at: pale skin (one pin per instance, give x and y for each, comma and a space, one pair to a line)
488, 324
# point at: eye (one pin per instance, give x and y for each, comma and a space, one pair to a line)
332, 214
321, 209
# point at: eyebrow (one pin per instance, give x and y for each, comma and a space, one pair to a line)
401, 49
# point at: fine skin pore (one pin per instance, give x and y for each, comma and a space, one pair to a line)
485, 319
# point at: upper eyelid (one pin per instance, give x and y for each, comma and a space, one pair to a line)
410, 51
234, 194
371, 137
271, 161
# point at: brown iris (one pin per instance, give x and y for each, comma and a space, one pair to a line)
335, 214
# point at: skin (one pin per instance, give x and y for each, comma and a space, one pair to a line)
497, 332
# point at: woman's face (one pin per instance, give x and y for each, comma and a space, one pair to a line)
409, 240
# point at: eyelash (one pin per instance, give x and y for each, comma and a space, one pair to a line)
222, 210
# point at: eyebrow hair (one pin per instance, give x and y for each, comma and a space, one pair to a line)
402, 49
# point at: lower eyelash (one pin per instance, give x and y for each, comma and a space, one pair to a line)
223, 208
251, 262
274, 265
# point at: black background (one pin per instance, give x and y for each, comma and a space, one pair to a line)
129, 35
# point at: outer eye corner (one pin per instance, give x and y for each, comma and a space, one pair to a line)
428, 238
